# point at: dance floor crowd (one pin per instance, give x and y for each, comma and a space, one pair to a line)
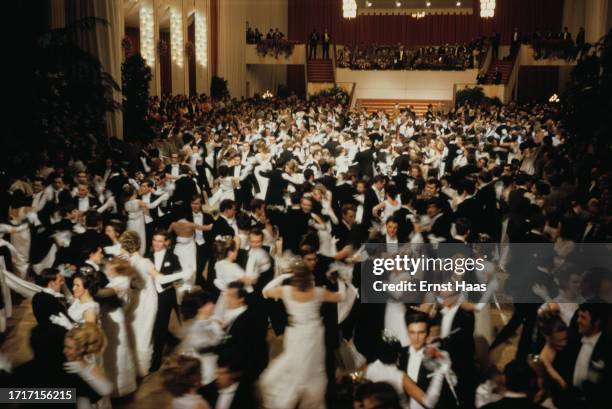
234, 222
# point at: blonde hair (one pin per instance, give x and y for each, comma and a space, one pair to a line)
130, 241
121, 267
224, 246
89, 339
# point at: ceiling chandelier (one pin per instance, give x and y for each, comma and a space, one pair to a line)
487, 8
418, 15
349, 8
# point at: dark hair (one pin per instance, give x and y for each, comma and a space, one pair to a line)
243, 221
88, 280
181, 374
238, 285
519, 376
597, 310
226, 204
302, 278
388, 351
46, 276
462, 226
223, 247
195, 197
256, 231
256, 204
415, 317
193, 301
550, 324
347, 208
383, 395
161, 232
93, 219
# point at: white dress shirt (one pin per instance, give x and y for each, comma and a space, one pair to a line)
226, 396
448, 315
414, 363
581, 370
198, 218
158, 259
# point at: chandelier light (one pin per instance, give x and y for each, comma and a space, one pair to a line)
418, 15
487, 8
176, 36
147, 35
349, 8
201, 39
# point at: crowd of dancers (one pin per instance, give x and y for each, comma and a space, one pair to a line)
242, 220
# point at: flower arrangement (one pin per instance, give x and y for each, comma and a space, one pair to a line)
331, 96
275, 47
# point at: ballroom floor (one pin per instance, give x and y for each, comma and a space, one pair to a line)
15, 346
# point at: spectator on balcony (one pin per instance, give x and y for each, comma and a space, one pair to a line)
313, 40
497, 76
277, 35
566, 36
481, 78
326, 41
515, 42
495, 39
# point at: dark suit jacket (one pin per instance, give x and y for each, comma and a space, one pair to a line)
447, 400
222, 228
44, 305
365, 160
247, 343
243, 397
512, 403
276, 187
170, 264
184, 189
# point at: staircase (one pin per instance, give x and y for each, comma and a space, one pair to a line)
321, 71
419, 106
504, 66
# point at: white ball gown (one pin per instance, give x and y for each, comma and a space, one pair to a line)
119, 362
142, 312
136, 221
298, 373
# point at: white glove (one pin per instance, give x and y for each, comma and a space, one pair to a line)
5, 363
98, 383
541, 291
62, 321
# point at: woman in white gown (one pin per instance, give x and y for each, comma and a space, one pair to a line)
136, 216
84, 308
119, 363
143, 301
262, 159
185, 248
200, 332
297, 378
228, 271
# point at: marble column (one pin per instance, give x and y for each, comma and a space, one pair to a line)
596, 15
57, 14
178, 37
202, 46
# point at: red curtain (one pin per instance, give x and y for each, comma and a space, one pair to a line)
537, 83
296, 81
133, 33
214, 35
165, 64
307, 15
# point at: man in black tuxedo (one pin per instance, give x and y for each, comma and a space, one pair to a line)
440, 221
519, 381
246, 336
174, 168
585, 362
225, 225
343, 230
91, 267
313, 40
326, 41
365, 161
489, 221
373, 196
515, 41
495, 40
48, 301
169, 268
295, 225
470, 208
84, 200
411, 358
152, 215
185, 188
92, 237
519, 206
457, 338
405, 216
228, 391
203, 239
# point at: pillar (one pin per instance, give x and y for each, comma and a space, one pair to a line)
596, 15
57, 14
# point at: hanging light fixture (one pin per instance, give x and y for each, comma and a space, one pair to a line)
349, 8
487, 8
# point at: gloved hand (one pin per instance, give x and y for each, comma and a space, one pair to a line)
62, 321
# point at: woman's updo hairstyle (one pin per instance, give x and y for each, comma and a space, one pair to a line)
223, 246
89, 339
130, 241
